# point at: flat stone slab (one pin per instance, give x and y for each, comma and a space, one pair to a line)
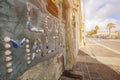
71, 75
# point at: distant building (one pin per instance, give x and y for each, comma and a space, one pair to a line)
113, 35
118, 34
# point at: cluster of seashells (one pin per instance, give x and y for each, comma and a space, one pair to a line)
29, 23
7, 53
28, 55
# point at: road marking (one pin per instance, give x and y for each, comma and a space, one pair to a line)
106, 47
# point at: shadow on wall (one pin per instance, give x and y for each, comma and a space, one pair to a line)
95, 71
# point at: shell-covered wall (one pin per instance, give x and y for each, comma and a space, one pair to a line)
14, 24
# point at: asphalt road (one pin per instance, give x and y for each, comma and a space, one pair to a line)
106, 51
111, 44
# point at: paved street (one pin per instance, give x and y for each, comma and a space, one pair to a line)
99, 59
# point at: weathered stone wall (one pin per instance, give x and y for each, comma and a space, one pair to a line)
47, 70
13, 20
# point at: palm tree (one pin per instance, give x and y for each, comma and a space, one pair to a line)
110, 26
96, 28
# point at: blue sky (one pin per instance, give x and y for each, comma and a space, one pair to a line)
115, 16
101, 12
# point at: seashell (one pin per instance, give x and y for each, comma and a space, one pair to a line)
33, 56
9, 70
41, 31
54, 37
29, 25
34, 29
7, 39
28, 62
8, 58
47, 47
28, 54
34, 47
27, 41
28, 58
40, 45
37, 51
28, 6
47, 44
49, 51
7, 52
46, 28
14, 43
27, 46
7, 45
9, 64
39, 40
27, 50
48, 17
22, 43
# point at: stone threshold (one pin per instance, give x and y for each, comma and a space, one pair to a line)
71, 75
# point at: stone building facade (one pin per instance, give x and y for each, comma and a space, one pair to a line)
51, 33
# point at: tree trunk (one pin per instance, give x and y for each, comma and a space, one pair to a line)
109, 31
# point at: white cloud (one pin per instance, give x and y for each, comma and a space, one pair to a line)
90, 24
98, 12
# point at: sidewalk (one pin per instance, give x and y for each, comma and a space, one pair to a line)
92, 69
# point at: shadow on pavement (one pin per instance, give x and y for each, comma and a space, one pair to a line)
97, 70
